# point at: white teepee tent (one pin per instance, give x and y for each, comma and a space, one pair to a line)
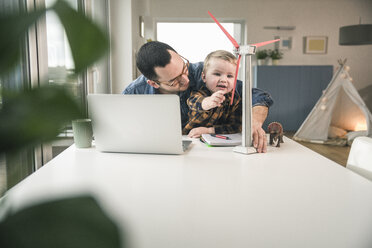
340, 106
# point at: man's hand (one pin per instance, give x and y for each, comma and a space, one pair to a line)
215, 100
259, 114
196, 132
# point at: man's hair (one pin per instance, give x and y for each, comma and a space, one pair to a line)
153, 54
219, 54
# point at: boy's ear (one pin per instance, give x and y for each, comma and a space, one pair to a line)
153, 84
203, 76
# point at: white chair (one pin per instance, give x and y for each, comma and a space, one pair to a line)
360, 157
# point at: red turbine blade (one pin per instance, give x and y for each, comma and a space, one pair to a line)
236, 45
260, 44
235, 79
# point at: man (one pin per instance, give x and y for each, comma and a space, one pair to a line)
166, 72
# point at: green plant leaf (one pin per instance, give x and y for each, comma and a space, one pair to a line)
262, 54
75, 222
88, 43
13, 29
35, 116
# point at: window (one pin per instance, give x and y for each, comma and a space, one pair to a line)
60, 62
60, 65
46, 59
14, 167
196, 40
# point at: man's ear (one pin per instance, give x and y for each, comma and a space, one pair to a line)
203, 76
153, 84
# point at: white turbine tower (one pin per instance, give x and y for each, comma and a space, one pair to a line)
247, 51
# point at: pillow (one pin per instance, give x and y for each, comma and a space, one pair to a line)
336, 132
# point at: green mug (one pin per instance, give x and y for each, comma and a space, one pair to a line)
83, 133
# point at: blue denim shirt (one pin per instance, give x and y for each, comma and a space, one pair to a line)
140, 86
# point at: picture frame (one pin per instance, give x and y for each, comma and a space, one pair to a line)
285, 43
315, 44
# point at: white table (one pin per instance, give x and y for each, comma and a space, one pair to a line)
213, 197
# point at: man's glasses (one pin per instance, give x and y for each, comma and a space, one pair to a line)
185, 71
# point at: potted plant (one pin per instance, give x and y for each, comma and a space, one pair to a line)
262, 56
276, 55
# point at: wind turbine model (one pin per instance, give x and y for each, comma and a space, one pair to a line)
247, 51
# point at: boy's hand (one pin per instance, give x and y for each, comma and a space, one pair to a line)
196, 132
215, 100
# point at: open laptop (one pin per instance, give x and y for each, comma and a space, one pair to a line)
137, 123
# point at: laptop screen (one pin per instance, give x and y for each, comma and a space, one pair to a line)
136, 123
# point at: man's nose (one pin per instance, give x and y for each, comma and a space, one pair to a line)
184, 78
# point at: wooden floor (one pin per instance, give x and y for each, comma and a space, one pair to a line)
339, 154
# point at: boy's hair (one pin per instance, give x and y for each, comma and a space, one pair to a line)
219, 54
151, 55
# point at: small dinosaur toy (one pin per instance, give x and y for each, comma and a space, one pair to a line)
275, 130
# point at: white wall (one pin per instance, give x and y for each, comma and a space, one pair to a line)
140, 8
121, 44
311, 18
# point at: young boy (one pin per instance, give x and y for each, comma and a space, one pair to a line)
210, 109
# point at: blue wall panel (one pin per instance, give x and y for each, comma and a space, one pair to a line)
295, 90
